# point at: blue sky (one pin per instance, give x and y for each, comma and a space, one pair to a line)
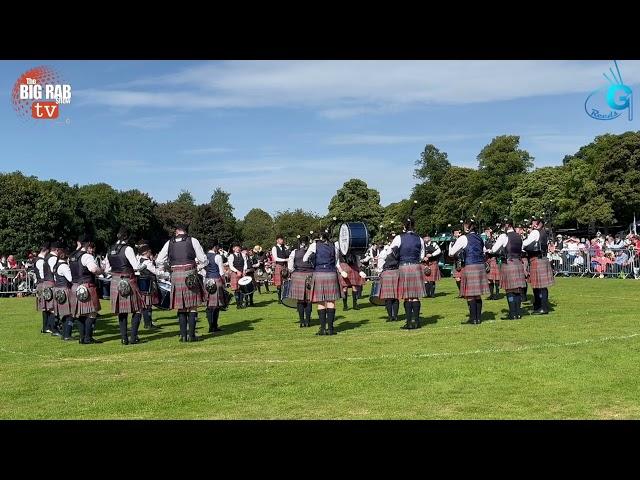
287, 134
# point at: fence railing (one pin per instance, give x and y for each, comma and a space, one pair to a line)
622, 263
17, 281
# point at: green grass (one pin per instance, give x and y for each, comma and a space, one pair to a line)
582, 361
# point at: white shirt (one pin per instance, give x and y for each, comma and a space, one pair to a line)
234, 269
461, 243
131, 257
151, 268
40, 265
53, 259
201, 258
89, 261
436, 252
274, 254
382, 256
312, 249
533, 237
397, 241
502, 241
64, 270
291, 258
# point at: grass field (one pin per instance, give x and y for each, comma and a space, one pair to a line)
581, 361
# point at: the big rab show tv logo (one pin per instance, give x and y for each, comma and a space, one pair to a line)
610, 101
40, 94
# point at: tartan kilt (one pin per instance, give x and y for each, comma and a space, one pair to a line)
90, 306
525, 264
217, 299
325, 287
435, 275
121, 304
41, 304
388, 284
150, 299
277, 275
68, 307
474, 281
541, 274
512, 275
233, 280
457, 275
411, 281
181, 297
353, 276
494, 273
297, 288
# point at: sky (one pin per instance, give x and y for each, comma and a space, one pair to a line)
282, 135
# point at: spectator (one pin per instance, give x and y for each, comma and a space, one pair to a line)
559, 242
599, 263
598, 239
572, 249
621, 261
609, 244
618, 243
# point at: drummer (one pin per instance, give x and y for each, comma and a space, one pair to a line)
214, 300
236, 269
387, 268
432, 257
259, 259
350, 276
298, 286
325, 288
149, 273
249, 271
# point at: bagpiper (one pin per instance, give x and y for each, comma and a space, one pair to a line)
432, 273
540, 273
387, 268
301, 276
512, 276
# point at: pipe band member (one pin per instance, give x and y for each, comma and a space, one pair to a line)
84, 270
237, 267
298, 287
473, 283
351, 276
249, 271
280, 255
457, 274
184, 253
432, 258
62, 289
44, 277
150, 271
217, 300
541, 274
387, 268
512, 276
325, 288
494, 267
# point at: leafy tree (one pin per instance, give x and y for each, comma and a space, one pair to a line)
257, 228
432, 165
208, 227
99, 208
135, 210
290, 224
356, 202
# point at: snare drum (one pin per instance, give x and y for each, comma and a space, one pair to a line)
246, 285
287, 301
164, 291
374, 297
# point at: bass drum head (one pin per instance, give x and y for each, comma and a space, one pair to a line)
354, 238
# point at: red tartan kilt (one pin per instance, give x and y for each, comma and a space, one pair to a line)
41, 304
217, 299
68, 307
512, 275
325, 287
474, 281
411, 281
435, 275
182, 298
90, 306
388, 284
233, 280
297, 288
541, 273
494, 273
121, 304
353, 279
150, 299
277, 275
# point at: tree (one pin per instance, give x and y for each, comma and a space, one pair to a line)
98, 208
290, 224
208, 227
185, 198
220, 202
181, 210
257, 228
432, 165
356, 202
135, 211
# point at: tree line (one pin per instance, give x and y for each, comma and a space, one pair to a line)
598, 185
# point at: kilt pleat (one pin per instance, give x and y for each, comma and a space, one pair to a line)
411, 281
474, 281
233, 280
297, 288
66, 308
41, 304
121, 304
494, 273
277, 275
217, 299
435, 274
353, 276
512, 275
92, 305
182, 297
325, 287
388, 284
541, 274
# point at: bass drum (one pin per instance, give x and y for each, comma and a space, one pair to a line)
354, 238
287, 301
246, 285
164, 292
374, 297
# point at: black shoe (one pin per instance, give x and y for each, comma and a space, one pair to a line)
56, 334
194, 338
332, 332
321, 331
508, 317
66, 339
407, 326
217, 329
539, 312
238, 306
301, 325
183, 339
43, 331
356, 307
468, 322
93, 340
390, 319
490, 297
417, 324
124, 341
210, 330
136, 341
82, 342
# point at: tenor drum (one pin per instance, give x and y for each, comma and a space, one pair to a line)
246, 285
354, 238
374, 297
164, 291
287, 301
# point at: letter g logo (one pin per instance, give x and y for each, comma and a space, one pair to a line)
612, 96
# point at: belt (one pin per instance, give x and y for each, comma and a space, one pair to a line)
409, 263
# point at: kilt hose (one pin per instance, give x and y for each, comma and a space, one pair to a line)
512, 274
66, 308
183, 298
494, 273
325, 287
411, 281
297, 288
91, 306
353, 276
435, 274
121, 304
474, 281
152, 298
388, 284
277, 274
218, 299
541, 274
41, 304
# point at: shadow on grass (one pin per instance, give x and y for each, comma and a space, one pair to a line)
349, 325
430, 320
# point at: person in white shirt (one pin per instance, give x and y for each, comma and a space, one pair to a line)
512, 276
149, 275
387, 269
237, 267
431, 258
300, 273
215, 298
62, 293
541, 274
249, 271
280, 256
44, 289
186, 256
84, 270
